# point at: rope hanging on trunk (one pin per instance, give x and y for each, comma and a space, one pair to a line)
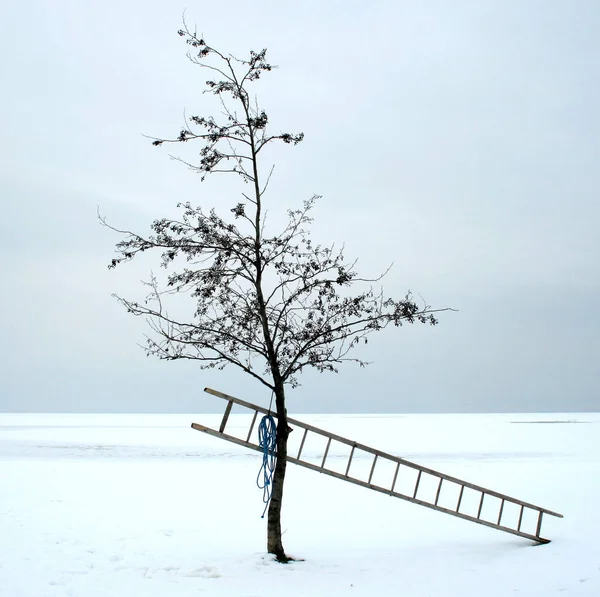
267, 440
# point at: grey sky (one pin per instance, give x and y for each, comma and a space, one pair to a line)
457, 139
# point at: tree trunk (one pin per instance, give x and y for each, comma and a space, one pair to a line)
274, 543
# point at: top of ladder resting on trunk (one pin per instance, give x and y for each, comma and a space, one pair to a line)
381, 454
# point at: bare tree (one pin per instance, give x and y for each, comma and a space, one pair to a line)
270, 305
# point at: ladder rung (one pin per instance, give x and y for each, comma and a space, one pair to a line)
326, 452
350, 460
539, 524
480, 504
252, 425
501, 509
372, 469
520, 518
225, 416
302, 444
462, 489
395, 477
437, 495
417, 484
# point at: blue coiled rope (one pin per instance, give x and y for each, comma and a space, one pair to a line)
267, 440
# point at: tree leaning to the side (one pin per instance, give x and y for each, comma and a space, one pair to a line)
270, 305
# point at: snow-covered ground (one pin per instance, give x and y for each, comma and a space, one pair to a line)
143, 505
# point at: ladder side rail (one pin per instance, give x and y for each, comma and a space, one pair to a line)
239, 401
418, 467
401, 496
407, 498
229, 438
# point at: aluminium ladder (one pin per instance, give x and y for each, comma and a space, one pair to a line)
495, 520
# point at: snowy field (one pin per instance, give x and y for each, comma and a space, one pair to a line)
143, 505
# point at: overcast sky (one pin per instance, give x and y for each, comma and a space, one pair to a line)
458, 139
